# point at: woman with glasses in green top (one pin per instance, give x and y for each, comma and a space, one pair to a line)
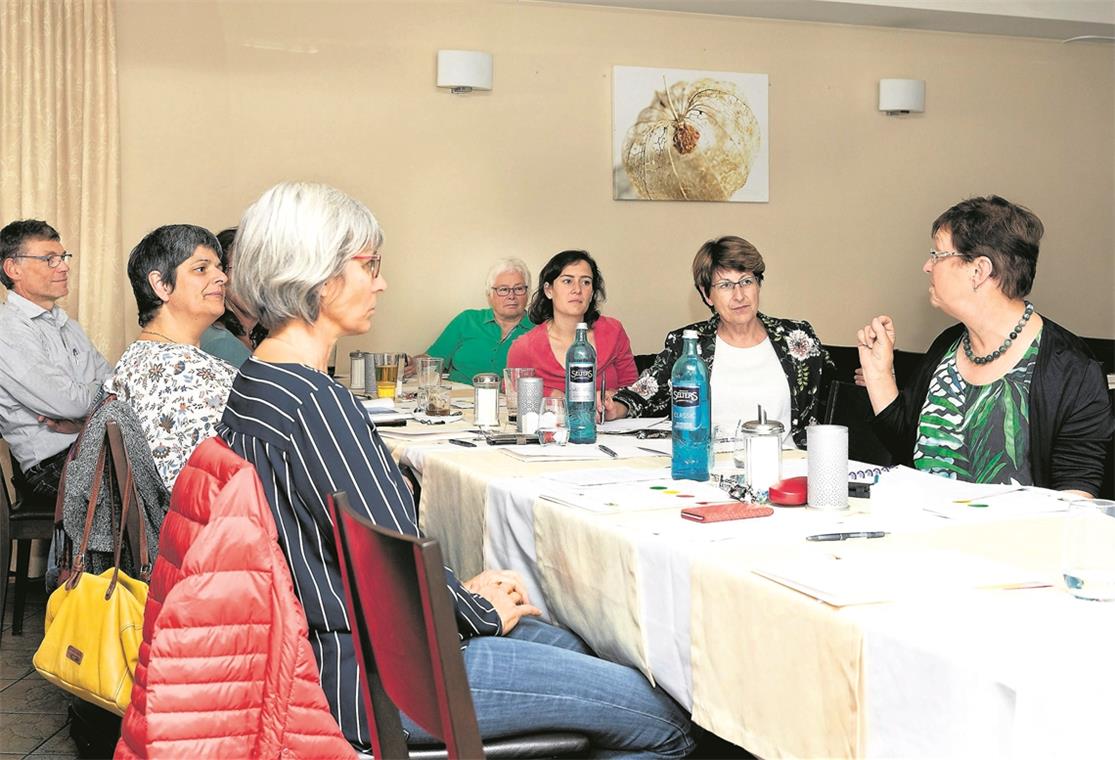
477, 339
1006, 395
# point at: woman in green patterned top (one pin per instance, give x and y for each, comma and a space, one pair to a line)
1007, 395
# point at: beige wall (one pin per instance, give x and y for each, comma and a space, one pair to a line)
221, 99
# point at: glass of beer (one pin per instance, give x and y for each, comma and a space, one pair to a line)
386, 374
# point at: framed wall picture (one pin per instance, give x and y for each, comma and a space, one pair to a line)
688, 135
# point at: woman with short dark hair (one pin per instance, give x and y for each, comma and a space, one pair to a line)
1007, 395
235, 334
177, 390
570, 290
753, 359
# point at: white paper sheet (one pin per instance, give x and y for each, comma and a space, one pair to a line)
844, 576
633, 425
598, 477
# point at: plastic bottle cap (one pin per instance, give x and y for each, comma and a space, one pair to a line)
582, 325
689, 334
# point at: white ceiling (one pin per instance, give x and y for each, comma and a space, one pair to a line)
1054, 19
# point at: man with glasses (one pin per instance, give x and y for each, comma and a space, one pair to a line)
49, 371
477, 340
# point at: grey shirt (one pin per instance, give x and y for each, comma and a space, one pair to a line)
47, 367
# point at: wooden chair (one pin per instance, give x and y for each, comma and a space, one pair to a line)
23, 526
405, 633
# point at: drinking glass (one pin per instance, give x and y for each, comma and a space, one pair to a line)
551, 423
387, 373
511, 377
438, 402
428, 373
1088, 556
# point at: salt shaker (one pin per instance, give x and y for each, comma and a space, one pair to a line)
759, 454
486, 399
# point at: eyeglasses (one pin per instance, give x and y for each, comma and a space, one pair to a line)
503, 290
374, 260
936, 256
729, 286
52, 260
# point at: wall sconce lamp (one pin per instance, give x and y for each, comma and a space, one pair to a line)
464, 70
901, 96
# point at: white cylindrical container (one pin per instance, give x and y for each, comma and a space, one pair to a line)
529, 403
357, 367
828, 466
486, 399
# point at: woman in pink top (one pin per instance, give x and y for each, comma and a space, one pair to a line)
571, 287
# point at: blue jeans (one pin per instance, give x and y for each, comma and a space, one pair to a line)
543, 678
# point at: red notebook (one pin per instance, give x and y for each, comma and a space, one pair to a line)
734, 510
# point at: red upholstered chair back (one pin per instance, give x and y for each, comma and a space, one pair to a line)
405, 632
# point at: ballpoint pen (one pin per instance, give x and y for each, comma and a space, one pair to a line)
458, 442
607, 451
846, 536
603, 396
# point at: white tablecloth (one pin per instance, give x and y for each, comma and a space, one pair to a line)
1006, 673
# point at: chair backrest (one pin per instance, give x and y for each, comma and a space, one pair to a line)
849, 405
405, 632
5, 498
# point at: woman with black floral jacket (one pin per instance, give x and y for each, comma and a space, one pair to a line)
778, 363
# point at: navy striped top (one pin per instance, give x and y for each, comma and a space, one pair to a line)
307, 437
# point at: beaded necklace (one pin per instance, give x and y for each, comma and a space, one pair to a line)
966, 340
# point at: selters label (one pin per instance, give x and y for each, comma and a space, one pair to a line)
686, 401
582, 383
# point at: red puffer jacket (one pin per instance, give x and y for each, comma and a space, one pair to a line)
225, 668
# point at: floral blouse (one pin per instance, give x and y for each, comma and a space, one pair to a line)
178, 392
807, 366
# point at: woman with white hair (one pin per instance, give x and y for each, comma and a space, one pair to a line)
308, 267
477, 339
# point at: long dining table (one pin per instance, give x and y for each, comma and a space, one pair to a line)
939, 669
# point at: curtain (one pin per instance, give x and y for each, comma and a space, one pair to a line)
60, 147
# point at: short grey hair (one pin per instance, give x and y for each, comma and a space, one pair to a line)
295, 238
506, 265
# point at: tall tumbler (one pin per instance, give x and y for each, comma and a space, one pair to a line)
828, 466
529, 403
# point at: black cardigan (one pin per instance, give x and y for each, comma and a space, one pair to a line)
1070, 413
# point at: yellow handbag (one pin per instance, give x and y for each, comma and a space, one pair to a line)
94, 623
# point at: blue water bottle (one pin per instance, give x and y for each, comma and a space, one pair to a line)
691, 409
580, 388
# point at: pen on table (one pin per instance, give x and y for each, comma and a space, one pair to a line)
846, 536
459, 442
606, 450
603, 396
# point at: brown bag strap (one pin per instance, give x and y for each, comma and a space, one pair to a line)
135, 518
118, 543
91, 510
137, 529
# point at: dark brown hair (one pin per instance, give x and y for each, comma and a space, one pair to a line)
542, 308
1007, 234
729, 252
